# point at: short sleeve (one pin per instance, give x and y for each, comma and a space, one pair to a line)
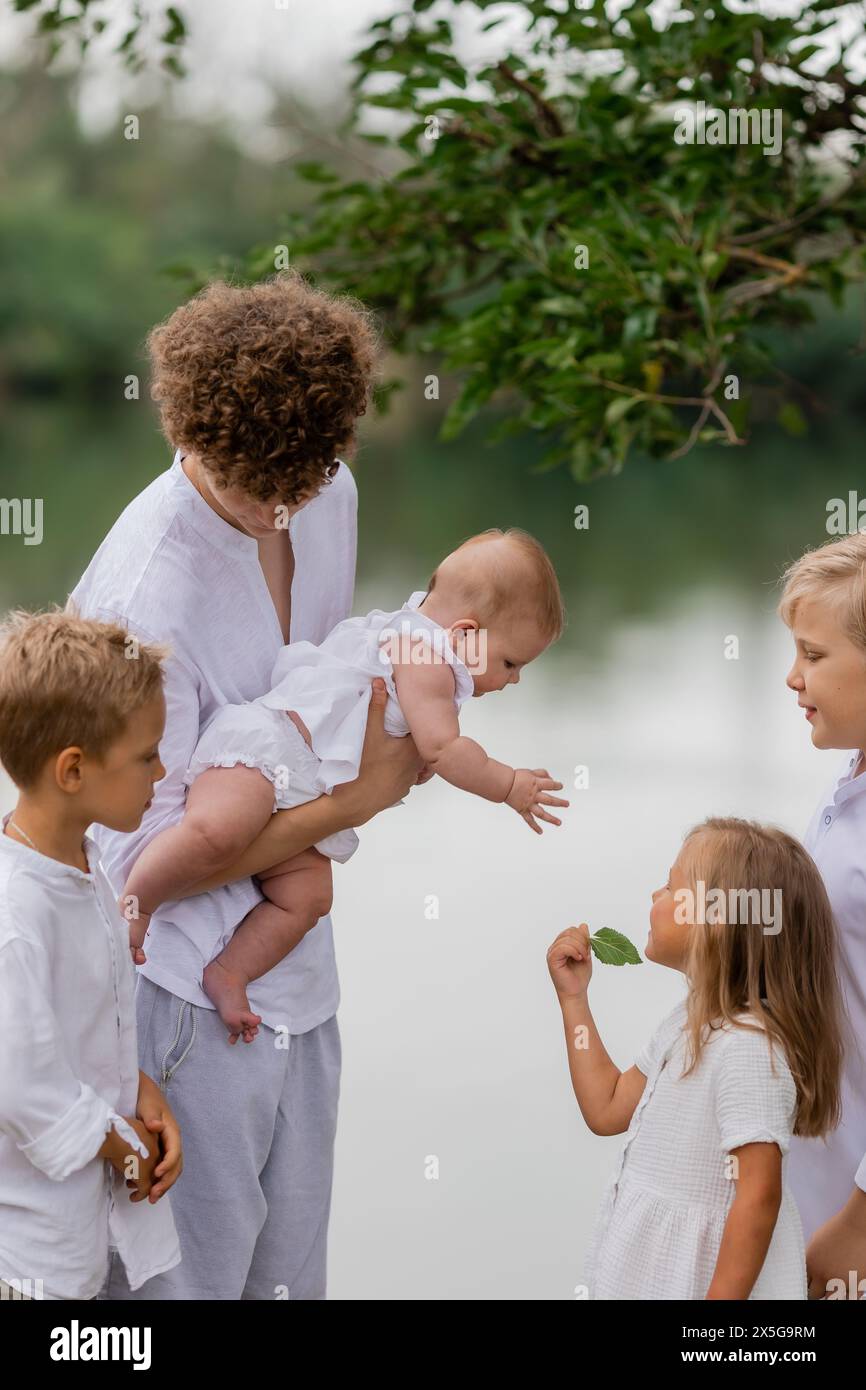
860, 1175
755, 1094
653, 1051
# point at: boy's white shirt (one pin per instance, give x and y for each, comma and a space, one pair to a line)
823, 1173
172, 570
68, 1071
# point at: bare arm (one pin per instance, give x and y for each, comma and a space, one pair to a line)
426, 694
751, 1220
389, 767
607, 1096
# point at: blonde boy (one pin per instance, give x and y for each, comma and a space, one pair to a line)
81, 715
824, 604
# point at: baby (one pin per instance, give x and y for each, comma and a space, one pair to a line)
493, 606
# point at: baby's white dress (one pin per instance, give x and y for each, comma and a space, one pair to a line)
658, 1232
329, 686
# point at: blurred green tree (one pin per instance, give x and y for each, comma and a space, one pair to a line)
90, 19
601, 228
471, 244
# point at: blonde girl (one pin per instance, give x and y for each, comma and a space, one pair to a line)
698, 1206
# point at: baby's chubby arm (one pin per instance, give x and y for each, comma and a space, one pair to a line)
426, 695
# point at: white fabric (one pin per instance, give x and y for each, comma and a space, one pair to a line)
661, 1222
269, 741
68, 1073
329, 686
824, 1172
172, 570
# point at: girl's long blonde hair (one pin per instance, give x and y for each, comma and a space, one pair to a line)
787, 980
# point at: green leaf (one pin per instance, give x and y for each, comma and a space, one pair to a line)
612, 948
176, 28
619, 406
315, 172
792, 419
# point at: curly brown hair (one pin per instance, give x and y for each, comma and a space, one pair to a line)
265, 382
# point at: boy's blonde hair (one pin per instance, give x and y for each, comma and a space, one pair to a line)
68, 681
787, 979
835, 571
517, 574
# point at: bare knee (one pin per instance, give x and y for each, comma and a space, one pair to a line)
216, 842
302, 884
226, 818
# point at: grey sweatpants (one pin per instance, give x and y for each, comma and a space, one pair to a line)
258, 1123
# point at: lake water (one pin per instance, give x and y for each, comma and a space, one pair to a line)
452, 1038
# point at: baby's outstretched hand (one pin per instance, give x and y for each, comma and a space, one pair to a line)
530, 793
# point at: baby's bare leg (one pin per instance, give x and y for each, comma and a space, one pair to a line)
299, 892
226, 808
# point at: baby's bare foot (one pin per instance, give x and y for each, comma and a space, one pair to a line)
139, 923
229, 993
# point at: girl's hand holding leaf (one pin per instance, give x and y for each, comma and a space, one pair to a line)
569, 959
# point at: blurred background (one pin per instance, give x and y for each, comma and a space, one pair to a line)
452, 1039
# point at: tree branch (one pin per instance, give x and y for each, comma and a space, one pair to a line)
549, 116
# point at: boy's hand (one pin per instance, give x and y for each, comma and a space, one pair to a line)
141, 1185
159, 1120
530, 793
137, 1171
138, 922
569, 961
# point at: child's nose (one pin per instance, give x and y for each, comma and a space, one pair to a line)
794, 680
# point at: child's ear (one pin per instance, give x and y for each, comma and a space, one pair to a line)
69, 770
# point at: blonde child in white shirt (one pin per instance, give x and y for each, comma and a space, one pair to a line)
698, 1206
823, 602
497, 593
79, 1123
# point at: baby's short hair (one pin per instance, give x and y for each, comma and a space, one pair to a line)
265, 382
835, 572
521, 575
68, 681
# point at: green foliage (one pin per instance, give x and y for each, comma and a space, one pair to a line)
612, 948
90, 19
467, 241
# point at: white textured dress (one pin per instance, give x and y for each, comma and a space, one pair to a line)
658, 1232
329, 687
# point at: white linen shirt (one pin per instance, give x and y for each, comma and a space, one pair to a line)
68, 1072
823, 1172
172, 570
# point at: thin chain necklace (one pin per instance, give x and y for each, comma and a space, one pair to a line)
28, 839
22, 833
